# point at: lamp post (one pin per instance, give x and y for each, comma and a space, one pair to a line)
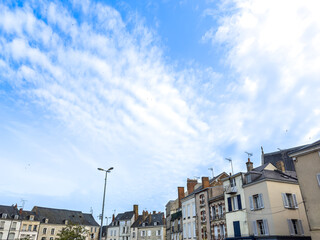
104, 196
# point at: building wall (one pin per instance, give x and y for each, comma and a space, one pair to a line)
125, 233
189, 218
151, 233
203, 224
307, 167
8, 227
29, 229
113, 233
239, 215
274, 211
217, 222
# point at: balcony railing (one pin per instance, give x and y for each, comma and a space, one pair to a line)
218, 217
231, 189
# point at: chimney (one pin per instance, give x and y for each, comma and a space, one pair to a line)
144, 215
154, 212
262, 156
136, 212
180, 194
20, 211
249, 165
280, 166
191, 183
15, 206
113, 217
149, 218
205, 182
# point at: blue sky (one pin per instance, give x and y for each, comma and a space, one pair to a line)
160, 90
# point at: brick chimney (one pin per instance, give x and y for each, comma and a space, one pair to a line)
136, 212
153, 212
113, 218
205, 182
20, 211
180, 194
249, 165
149, 220
280, 166
191, 183
144, 215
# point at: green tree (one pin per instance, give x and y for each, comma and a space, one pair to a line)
73, 232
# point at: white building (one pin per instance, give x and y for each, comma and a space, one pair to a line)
9, 222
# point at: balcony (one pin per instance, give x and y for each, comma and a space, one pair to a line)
231, 189
219, 217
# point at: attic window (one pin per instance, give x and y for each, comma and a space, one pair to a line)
155, 223
143, 224
16, 217
66, 222
46, 220
248, 178
4, 215
31, 217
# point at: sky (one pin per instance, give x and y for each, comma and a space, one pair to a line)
159, 90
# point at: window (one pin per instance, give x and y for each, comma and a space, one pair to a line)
318, 178
30, 228
233, 182
133, 234
4, 215
16, 217
201, 199
289, 200
1, 234
248, 178
14, 226
260, 227
158, 233
295, 227
111, 232
213, 211
31, 217
2, 224
194, 229
35, 228
256, 202
203, 215
11, 236
184, 231
52, 231
44, 231
123, 230
179, 223
149, 233
115, 232
220, 211
234, 203
222, 230
188, 210
215, 228
51, 238
155, 223
193, 209
189, 230
24, 227
46, 220
172, 226
143, 233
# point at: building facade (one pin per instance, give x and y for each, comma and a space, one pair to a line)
152, 227
10, 222
29, 225
307, 165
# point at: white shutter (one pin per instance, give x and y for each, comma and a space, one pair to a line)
295, 203
251, 203
254, 228
290, 225
261, 201
318, 176
301, 227
235, 203
266, 227
285, 200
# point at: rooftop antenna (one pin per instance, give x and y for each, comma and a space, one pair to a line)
91, 210
230, 160
23, 201
196, 177
249, 155
211, 169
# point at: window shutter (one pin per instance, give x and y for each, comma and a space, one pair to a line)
254, 228
261, 200
251, 203
301, 227
291, 230
285, 200
229, 204
239, 202
294, 200
266, 227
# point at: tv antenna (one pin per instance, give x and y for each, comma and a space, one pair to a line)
249, 154
23, 201
230, 160
211, 169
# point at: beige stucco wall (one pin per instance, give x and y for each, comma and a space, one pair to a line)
26, 233
153, 230
307, 166
274, 210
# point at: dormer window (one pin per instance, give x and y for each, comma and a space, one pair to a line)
66, 222
248, 178
155, 223
46, 220
233, 182
31, 217
143, 224
4, 215
16, 217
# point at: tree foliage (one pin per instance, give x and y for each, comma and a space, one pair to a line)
73, 232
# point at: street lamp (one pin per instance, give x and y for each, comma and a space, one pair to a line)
104, 196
